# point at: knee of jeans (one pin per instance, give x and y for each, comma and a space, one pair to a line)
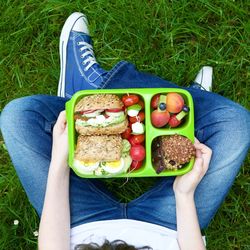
233, 121
12, 112
241, 124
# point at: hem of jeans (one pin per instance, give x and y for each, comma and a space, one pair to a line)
111, 73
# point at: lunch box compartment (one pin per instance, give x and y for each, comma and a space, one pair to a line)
151, 132
185, 121
185, 168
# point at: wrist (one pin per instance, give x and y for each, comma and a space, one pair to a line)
59, 161
184, 197
59, 166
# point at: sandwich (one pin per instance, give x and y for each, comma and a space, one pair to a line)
102, 155
100, 114
172, 152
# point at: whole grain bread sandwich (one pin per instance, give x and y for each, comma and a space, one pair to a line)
102, 154
100, 114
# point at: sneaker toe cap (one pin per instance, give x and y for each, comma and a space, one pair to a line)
81, 25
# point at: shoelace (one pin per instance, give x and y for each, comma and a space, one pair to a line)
89, 53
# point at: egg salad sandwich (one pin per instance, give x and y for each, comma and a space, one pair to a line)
100, 114
102, 155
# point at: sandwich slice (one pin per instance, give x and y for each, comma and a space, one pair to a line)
100, 114
102, 155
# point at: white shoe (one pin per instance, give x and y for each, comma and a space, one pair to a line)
205, 78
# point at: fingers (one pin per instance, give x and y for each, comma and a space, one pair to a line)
196, 140
61, 122
198, 166
66, 128
62, 117
204, 152
203, 148
198, 153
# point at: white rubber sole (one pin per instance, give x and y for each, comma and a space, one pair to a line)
64, 37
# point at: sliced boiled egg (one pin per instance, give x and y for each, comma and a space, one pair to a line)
113, 167
85, 167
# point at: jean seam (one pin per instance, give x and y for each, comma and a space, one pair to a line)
111, 73
125, 214
149, 192
96, 189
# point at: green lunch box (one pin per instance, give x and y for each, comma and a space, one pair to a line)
147, 170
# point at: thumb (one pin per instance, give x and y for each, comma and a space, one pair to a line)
60, 123
198, 166
62, 117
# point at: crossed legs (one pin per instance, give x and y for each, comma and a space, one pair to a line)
223, 125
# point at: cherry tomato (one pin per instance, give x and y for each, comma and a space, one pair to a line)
137, 152
131, 141
130, 100
135, 165
154, 101
126, 134
141, 103
139, 118
136, 139
114, 110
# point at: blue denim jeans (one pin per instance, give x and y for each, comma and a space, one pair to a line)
223, 125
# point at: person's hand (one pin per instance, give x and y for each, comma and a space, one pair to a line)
186, 184
60, 148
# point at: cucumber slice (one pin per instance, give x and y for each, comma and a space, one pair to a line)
134, 110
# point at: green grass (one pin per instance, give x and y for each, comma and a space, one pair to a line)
172, 39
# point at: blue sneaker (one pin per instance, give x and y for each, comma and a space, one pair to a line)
79, 69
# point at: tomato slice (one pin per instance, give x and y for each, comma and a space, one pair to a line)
114, 110
88, 111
